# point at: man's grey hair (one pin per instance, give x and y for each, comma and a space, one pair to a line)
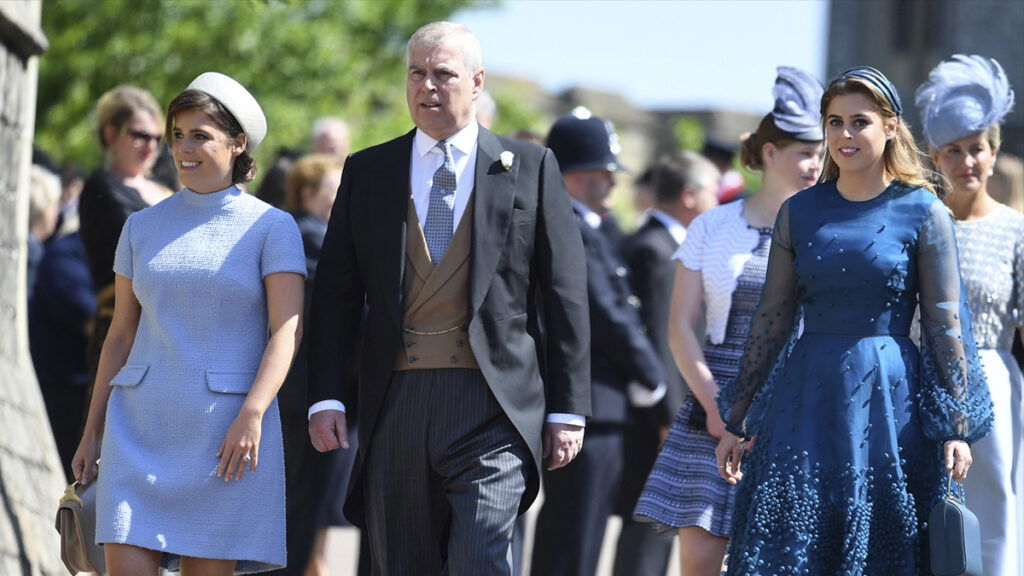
682, 169
325, 123
433, 34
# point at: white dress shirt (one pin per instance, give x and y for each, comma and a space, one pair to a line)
425, 159
677, 230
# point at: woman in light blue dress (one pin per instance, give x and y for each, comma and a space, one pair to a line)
209, 290
855, 429
961, 105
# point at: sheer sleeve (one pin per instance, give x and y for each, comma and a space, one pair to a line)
771, 328
955, 403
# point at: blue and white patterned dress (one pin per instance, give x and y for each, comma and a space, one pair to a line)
992, 265
197, 263
684, 487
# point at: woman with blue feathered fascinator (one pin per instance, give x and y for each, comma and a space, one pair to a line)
962, 105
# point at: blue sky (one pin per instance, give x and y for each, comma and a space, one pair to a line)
658, 53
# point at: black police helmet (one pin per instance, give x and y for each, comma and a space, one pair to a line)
582, 141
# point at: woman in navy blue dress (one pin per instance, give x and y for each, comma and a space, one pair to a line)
855, 429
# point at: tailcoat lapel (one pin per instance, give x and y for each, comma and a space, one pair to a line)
494, 192
388, 212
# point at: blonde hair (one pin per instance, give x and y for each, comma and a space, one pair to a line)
308, 173
116, 107
901, 159
994, 135
43, 193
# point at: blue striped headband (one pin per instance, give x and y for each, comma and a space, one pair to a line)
878, 80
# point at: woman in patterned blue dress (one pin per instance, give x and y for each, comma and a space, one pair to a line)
855, 429
207, 318
720, 269
961, 105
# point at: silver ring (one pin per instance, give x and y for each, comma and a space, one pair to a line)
246, 458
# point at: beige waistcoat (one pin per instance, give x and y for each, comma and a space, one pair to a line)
436, 325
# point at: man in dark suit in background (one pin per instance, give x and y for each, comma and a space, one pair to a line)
685, 184
625, 368
464, 249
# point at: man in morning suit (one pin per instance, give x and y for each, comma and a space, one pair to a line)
625, 368
685, 184
475, 366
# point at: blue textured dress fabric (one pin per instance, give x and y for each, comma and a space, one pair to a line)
992, 263
197, 263
850, 420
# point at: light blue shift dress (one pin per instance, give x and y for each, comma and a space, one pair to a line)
197, 263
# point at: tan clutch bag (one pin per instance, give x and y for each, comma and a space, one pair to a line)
76, 523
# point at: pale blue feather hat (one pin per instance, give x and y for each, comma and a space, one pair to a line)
797, 98
962, 96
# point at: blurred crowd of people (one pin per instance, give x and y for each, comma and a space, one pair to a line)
674, 314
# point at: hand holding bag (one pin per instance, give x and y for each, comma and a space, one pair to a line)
954, 536
76, 523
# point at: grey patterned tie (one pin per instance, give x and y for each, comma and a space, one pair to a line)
441, 210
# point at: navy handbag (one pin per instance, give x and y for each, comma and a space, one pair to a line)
954, 536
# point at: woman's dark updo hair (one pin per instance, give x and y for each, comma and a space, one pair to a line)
752, 143
244, 169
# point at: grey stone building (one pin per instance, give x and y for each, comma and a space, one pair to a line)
905, 39
30, 474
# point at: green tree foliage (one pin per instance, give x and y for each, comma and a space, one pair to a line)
302, 59
689, 133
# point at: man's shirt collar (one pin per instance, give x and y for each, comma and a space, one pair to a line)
464, 140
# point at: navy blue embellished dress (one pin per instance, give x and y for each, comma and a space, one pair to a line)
850, 418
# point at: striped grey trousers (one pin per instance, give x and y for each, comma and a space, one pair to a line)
444, 476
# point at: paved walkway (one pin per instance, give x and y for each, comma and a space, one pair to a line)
343, 547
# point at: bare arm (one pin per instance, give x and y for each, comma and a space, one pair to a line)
284, 313
116, 348
685, 342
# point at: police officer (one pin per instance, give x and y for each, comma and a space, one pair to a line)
625, 369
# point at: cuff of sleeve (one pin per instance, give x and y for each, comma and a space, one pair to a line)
642, 397
574, 419
736, 431
325, 405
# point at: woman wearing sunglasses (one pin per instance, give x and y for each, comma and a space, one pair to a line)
130, 127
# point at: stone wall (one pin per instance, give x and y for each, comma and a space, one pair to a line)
905, 39
30, 474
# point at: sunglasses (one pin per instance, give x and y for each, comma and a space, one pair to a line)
144, 137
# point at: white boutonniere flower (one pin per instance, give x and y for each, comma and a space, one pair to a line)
506, 159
